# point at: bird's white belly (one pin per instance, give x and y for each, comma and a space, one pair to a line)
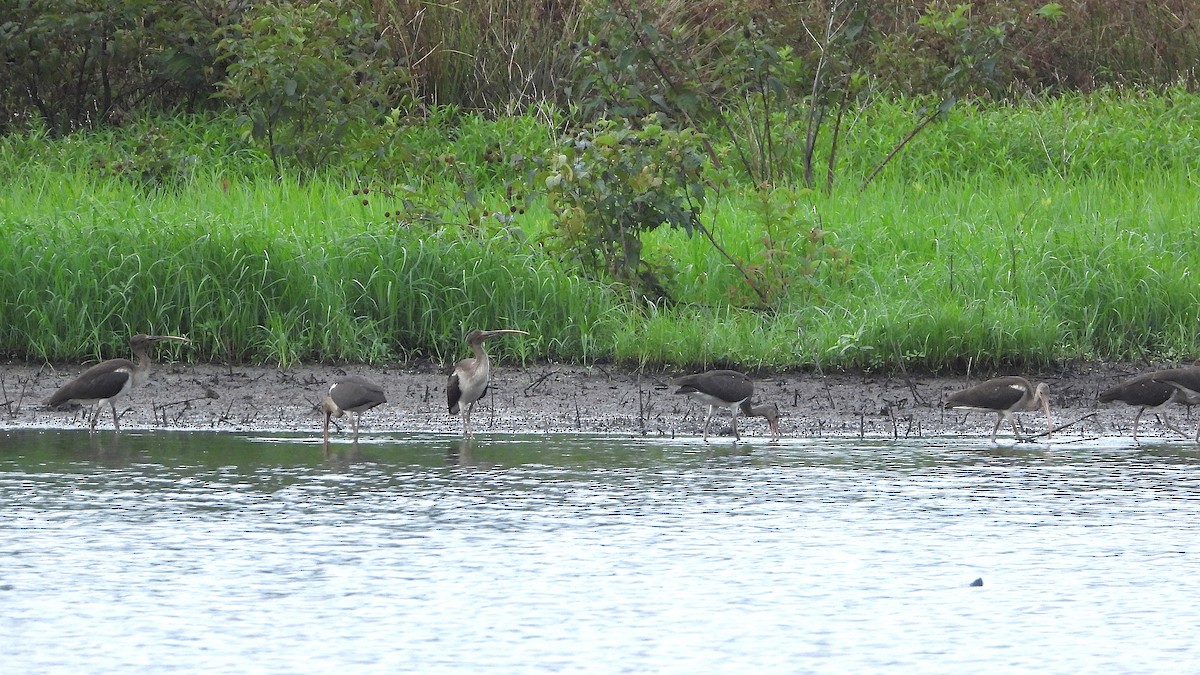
474, 385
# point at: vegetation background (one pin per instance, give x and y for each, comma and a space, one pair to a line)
668, 183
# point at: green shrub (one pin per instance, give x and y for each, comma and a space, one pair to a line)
611, 182
90, 62
308, 76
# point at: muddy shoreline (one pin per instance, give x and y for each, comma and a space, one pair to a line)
557, 398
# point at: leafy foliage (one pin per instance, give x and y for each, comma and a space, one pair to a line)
633, 67
612, 182
151, 159
80, 63
307, 76
797, 255
1060, 229
966, 50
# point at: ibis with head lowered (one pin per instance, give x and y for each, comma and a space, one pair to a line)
1004, 396
727, 389
1186, 382
350, 394
1148, 392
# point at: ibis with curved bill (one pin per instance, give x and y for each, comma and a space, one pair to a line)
727, 389
109, 380
1148, 392
469, 381
1186, 382
1004, 396
350, 394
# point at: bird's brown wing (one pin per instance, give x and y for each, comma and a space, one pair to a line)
453, 394
1141, 390
1185, 380
102, 380
1000, 393
357, 394
1181, 378
726, 385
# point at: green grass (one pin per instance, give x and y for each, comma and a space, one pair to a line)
1022, 272
1005, 236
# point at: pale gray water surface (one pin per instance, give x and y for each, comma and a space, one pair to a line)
229, 553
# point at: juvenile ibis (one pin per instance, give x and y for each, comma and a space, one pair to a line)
1186, 382
353, 394
109, 380
1147, 392
1004, 396
727, 389
469, 381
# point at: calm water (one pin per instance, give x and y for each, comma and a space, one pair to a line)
230, 553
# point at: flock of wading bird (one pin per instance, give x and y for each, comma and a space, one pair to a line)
108, 381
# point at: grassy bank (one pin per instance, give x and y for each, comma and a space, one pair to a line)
1010, 235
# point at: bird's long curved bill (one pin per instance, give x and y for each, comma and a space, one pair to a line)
177, 338
1049, 420
489, 334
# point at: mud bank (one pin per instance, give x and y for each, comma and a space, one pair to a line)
565, 399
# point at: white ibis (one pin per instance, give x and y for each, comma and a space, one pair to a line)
354, 394
469, 381
109, 380
1004, 396
1147, 392
727, 389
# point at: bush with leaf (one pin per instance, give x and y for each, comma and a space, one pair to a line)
613, 181
307, 77
88, 62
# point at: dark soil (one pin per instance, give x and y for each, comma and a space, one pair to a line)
560, 398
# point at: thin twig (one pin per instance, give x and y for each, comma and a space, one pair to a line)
831, 163
1060, 428
900, 146
762, 295
537, 383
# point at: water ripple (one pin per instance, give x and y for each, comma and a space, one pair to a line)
224, 553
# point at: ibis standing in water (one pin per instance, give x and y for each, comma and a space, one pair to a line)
1156, 390
1186, 382
109, 380
353, 394
727, 389
1148, 392
1004, 396
469, 381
